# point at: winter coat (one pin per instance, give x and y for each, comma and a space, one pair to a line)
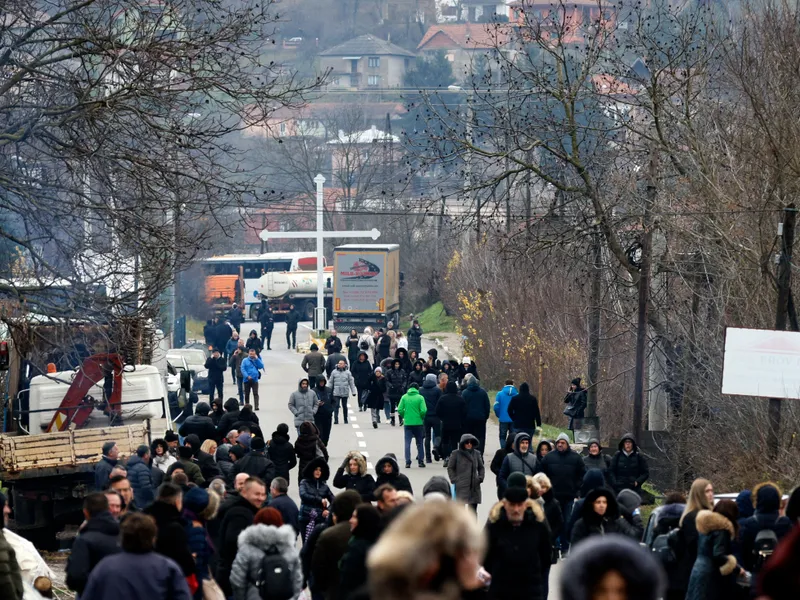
332, 362
256, 464
452, 410
565, 470
362, 371
281, 453
523, 409
208, 467
713, 575
314, 491
266, 318
254, 343
172, 541
254, 543
414, 336
141, 481
342, 383
224, 462
222, 333
362, 482
383, 347
552, 511
578, 400
201, 548
352, 350
377, 391
396, 478
592, 480
192, 471
396, 382
353, 567
328, 552
333, 345
303, 405
250, 368
431, 392
200, 425
313, 363
288, 509
412, 408
215, 367
477, 400
308, 447
133, 576
591, 524
238, 517
465, 469
517, 557
501, 402
231, 346
767, 516
230, 417
601, 462
255, 428
516, 462
628, 472
163, 462
98, 538
102, 472
687, 550
292, 319
324, 412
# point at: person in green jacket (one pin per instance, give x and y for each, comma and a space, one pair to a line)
412, 410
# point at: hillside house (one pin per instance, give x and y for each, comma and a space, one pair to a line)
366, 62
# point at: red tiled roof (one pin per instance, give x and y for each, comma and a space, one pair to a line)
470, 35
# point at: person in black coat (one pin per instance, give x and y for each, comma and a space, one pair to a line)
417, 374
361, 370
565, 469
199, 424
292, 319
414, 336
576, 399
236, 317
206, 462
352, 475
351, 343
353, 566
253, 343
629, 468
388, 471
524, 411
208, 332
239, 516
333, 345
217, 412
600, 518
478, 410
216, 366
518, 547
323, 418
172, 540
98, 538
256, 463
767, 516
280, 501
376, 398
452, 412
432, 424
267, 320
249, 419
230, 417
714, 572
281, 451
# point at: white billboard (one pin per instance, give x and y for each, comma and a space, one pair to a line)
761, 362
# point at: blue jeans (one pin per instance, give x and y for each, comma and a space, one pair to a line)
416, 432
387, 408
240, 388
504, 429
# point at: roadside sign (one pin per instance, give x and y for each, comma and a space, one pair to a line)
761, 362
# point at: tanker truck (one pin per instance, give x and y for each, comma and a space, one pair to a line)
283, 288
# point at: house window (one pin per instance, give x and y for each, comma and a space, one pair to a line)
283, 128
374, 80
374, 61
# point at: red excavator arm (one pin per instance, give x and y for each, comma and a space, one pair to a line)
76, 407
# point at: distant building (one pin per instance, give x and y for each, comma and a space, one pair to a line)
366, 62
324, 119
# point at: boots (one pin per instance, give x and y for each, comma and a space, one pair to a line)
374, 425
392, 419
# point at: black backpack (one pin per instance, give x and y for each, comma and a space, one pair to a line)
664, 548
274, 578
364, 345
764, 546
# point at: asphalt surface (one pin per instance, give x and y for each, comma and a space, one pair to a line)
282, 374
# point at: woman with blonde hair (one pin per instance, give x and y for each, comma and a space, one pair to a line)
209, 446
430, 550
701, 497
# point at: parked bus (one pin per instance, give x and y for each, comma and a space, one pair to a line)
222, 275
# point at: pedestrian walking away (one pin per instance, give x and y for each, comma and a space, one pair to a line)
412, 410
452, 411
478, 409
292, 319
523, 410
267, 320
362, 371
313, 364
501, 402
432, 424
323, 418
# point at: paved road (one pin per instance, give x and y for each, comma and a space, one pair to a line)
283, 373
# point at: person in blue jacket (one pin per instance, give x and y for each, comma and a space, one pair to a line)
251, 367
501, 402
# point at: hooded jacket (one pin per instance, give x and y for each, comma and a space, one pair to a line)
412, 408
501, 402
523, 410
592, 480
256, 464
204, 460
431, 392
601, 461
713, 576
303, 405
253, 544
313, 491
767, 516
517, 557
141, 481
308, 446
98, 538
395, 477
465, 469
281, 453
253, 343
628, 471
591, 524
342, 383
477, 400
565, 470
516, 462
396, 381
414, 336
451, 409
437, 484
200, 424
313, 363
230, 417
163, 462
361, 370
362, 482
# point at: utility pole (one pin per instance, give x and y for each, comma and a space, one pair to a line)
591, 420
640, 389
786, 234
263, 227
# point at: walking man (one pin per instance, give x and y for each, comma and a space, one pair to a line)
215, 365
501, 402
341, 383
267, 320
412, 410
292, 319
251, 367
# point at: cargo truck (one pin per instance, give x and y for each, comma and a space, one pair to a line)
366, 286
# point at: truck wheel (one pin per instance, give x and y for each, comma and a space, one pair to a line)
254, 312
308, 310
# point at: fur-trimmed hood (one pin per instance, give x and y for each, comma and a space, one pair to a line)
362, 462
535, 507
708, 522
308, 472
766, 500
265, 537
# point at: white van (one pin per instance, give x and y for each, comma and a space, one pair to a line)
139, 382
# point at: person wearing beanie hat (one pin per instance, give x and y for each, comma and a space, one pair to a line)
195, 500
313, 364
566, 469
518, 547
281, 452
256, 463
517, 480
629, 503
595, 459
376, 397
243, 441
199, 424
432, 425
452, 412
767, 501
521, 461
10, 574
102, 470
576, 401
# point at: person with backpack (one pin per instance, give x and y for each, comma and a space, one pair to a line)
267, 563
351, 343
761, 533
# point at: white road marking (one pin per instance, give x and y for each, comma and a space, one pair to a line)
362, 444
369, 466
356, 426
353, 419
359, 434
365, 454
